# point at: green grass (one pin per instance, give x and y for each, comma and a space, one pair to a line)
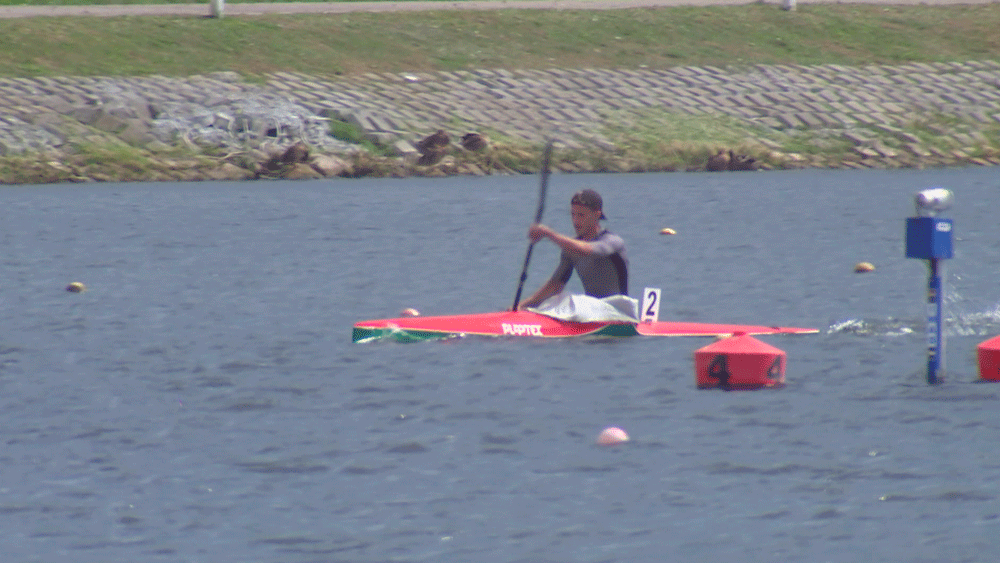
350, 133
427, 41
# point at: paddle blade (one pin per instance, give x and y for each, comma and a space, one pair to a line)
546, 169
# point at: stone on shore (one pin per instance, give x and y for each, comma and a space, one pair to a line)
329, 166
295, 154
301, 171
228, 171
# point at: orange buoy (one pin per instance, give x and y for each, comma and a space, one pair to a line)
612, 436
739, 362
989, 359
864, 267
409, 312
668, 231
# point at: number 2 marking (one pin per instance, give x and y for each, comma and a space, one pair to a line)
650, 305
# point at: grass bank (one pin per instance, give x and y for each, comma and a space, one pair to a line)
396, 42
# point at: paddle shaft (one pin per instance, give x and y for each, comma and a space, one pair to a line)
546, 158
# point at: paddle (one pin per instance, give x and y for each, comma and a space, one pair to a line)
546, 157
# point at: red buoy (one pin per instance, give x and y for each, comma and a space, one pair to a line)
989, 359
739, 362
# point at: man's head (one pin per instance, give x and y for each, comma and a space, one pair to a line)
589, 198
587, 210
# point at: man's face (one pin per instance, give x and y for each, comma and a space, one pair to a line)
586, 221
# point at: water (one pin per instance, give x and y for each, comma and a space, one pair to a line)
203, 401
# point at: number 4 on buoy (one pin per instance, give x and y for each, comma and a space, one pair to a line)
650, 305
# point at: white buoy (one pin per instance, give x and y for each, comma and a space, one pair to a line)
612, 436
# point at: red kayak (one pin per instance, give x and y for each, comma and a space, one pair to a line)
528, 324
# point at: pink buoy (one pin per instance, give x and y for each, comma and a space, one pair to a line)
739, 362
989, 359
612, 436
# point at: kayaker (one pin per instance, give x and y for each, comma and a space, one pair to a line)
597, 255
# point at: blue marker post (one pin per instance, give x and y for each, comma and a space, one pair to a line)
928, 237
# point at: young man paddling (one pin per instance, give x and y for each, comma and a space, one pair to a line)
597, 255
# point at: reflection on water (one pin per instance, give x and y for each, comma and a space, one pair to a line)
202, 401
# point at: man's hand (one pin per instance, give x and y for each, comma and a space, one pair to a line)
538, 231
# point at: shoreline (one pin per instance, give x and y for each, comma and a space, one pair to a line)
221, 127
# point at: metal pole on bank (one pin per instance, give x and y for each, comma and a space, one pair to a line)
218, 8
928, 237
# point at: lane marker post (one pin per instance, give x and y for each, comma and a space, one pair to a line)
928, 237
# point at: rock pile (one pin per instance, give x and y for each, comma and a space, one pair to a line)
217, 111
240, 121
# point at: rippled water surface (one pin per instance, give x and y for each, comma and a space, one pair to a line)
202, 401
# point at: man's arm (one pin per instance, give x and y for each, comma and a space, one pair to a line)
551, 287
580, 247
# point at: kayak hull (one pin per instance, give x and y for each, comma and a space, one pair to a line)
533, 325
